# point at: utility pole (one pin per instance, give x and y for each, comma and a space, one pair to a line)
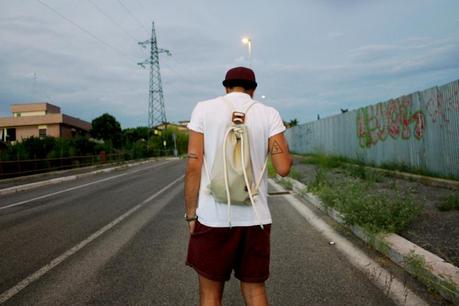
156, 108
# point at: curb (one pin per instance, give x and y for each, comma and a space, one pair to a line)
425, 266
57, 180
18, 179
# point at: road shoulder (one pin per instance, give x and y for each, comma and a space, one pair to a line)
428, 268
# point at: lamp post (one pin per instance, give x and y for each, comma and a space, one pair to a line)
248, 41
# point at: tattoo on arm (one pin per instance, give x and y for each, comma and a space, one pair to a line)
276, 148
192, 156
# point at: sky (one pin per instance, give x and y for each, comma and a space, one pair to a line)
310, 57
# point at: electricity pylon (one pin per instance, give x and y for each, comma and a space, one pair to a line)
156, 109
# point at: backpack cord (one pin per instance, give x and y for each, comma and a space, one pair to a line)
225, 174
247, 183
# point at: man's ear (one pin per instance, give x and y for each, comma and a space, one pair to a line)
251, 92
227, 90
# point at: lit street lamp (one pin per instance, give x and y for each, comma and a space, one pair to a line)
248, 41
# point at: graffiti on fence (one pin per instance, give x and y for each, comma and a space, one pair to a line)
438, 106
394, 118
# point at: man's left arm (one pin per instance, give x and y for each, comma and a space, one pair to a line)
193, 174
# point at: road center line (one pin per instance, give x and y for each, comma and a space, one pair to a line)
80, 186
56, 261
383, 279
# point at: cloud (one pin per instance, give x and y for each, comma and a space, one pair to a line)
325, 60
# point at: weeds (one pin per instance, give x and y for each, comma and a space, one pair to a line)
287, 184
325, 161
353, 197
295, 174
362, 172
335, 161
449, 203
374, 212
416, 264
320, 180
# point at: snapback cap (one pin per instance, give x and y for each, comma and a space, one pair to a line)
240, 74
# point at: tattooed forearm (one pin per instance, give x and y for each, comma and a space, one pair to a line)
192, 156
276, 148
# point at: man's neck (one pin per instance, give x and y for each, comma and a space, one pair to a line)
240, 90
237, 89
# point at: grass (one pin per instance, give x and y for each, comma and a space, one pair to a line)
287, 184
354, 199
326, 161
416, 264
295, 174
449, 203
336, 161
364, 173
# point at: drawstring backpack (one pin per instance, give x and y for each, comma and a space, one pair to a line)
231, 179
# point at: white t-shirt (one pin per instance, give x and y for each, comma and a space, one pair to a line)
212, 118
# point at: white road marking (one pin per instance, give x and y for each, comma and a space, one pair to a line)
78, 187
383, 279
56, 261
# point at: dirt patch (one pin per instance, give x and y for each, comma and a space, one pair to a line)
433, 229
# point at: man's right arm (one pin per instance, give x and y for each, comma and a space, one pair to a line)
280, 155
193, 174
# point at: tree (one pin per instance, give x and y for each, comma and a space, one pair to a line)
132, 135
107, 128
293, 122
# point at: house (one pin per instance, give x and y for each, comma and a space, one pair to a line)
39, 120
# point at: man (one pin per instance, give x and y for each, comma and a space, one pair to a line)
216, 248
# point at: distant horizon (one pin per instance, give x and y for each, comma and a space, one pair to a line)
285, 120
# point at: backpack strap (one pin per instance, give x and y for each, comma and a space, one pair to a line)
249, 106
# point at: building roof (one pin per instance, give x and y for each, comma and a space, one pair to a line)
52, 115
35, 107
6, 122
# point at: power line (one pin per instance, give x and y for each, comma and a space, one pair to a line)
181, 64
132, 15
112, 20
82, 29
141, 5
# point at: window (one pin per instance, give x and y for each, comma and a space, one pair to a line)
41, 133
11, 134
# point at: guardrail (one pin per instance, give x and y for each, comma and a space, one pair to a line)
15, 168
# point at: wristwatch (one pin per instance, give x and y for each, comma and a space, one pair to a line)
190, 219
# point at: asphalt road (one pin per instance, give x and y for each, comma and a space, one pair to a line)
139, 260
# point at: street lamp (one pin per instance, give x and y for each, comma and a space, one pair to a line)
248, 41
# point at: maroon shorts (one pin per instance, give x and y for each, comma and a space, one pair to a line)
214, 252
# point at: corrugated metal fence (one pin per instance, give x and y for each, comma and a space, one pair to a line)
420, 130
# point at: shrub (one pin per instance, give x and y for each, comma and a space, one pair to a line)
372, 211
449, 203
